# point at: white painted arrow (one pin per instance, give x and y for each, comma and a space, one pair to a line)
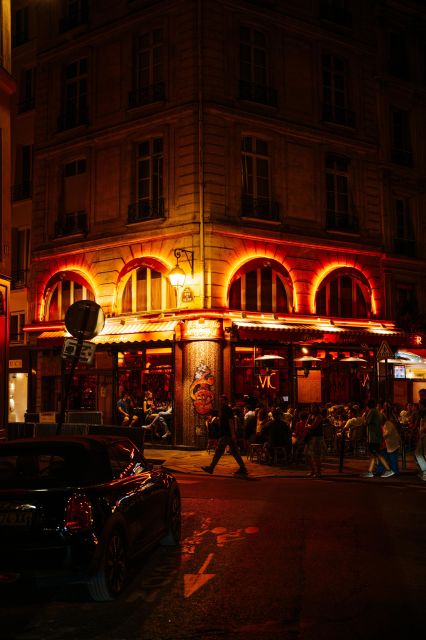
194, 581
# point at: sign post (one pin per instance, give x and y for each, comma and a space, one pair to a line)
84, 320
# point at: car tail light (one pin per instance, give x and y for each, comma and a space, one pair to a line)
79, 514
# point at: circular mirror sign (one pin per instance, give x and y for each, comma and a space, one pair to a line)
84, 319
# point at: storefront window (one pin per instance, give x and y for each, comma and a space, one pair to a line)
146, 373
261, 373
146, 289
344, 295
62, 292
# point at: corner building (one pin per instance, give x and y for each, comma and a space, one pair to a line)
274, 152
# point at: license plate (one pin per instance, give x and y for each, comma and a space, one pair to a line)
16, 518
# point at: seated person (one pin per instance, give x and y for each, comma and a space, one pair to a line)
126, 414
159, 424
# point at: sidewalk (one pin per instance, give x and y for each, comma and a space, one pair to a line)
189, 461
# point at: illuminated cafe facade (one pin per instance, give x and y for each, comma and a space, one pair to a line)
321, 330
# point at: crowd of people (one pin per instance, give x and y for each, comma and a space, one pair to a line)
149, 415
381, 431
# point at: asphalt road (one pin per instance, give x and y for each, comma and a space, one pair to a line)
269, 559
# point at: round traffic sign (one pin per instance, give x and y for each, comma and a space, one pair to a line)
84, 319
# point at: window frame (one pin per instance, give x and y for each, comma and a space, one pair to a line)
131, 280
239, 281
357, 280
56, 284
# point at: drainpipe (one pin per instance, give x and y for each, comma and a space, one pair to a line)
201, 154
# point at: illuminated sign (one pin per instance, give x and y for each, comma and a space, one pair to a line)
202, 329
15, 364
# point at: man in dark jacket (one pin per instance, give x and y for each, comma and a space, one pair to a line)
227, 437
279, 434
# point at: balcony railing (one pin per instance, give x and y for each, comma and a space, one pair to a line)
334, 13
145, 210
403, 157
147, 95
19, 278
338, 115
74, 20
20, 37
344, 222
27, 104
71, 224
259, 208
405, 247
72, 119
21, 191
258, 93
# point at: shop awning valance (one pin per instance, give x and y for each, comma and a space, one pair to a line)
316, 332
119, 332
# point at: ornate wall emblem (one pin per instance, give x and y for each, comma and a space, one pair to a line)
201, 389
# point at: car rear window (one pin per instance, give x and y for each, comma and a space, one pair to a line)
38, 468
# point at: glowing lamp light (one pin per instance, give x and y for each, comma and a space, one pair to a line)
177, 277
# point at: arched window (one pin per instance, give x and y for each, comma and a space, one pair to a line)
146, 289
344, 294
62, 291
259, 287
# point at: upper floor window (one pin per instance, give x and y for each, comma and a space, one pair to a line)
149, 181
20, 256
146, 289
27, 90
72, 213
336, 11
17, 322
404, 242
406, 307
260, 287
75, 106
255, 67
20, 27
344, 294
401, 137
398, 61
336, 98
340, 213
149, 69
62, 291
22, 187
256, 180
76, 13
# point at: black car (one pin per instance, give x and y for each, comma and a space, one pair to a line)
78, 509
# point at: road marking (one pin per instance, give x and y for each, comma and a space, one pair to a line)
194, 581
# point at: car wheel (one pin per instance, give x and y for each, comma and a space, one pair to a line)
174, 520
110, 580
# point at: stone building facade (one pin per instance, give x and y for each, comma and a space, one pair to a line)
274, 152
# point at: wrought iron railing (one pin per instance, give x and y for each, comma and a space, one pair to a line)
405, 247
21, 191
19, 278
27, 104
145, 210
71, 119
147, 94
71, 224
336, 221
259, 208
74, 20
258, 93
338, 115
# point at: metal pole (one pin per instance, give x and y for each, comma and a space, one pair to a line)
66, 385
342, 450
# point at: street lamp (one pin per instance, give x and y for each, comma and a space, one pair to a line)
177, 275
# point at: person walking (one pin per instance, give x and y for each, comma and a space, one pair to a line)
314, 441
420, 451
374, 421
227, 438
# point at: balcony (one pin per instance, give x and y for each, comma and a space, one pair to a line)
71, 224
338, 115
259, 208
19, 279
258, 93
343, 222
74, 19
147, 95
403, 157
27, 104
145, 210
71, 119
21, 191
405, 247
